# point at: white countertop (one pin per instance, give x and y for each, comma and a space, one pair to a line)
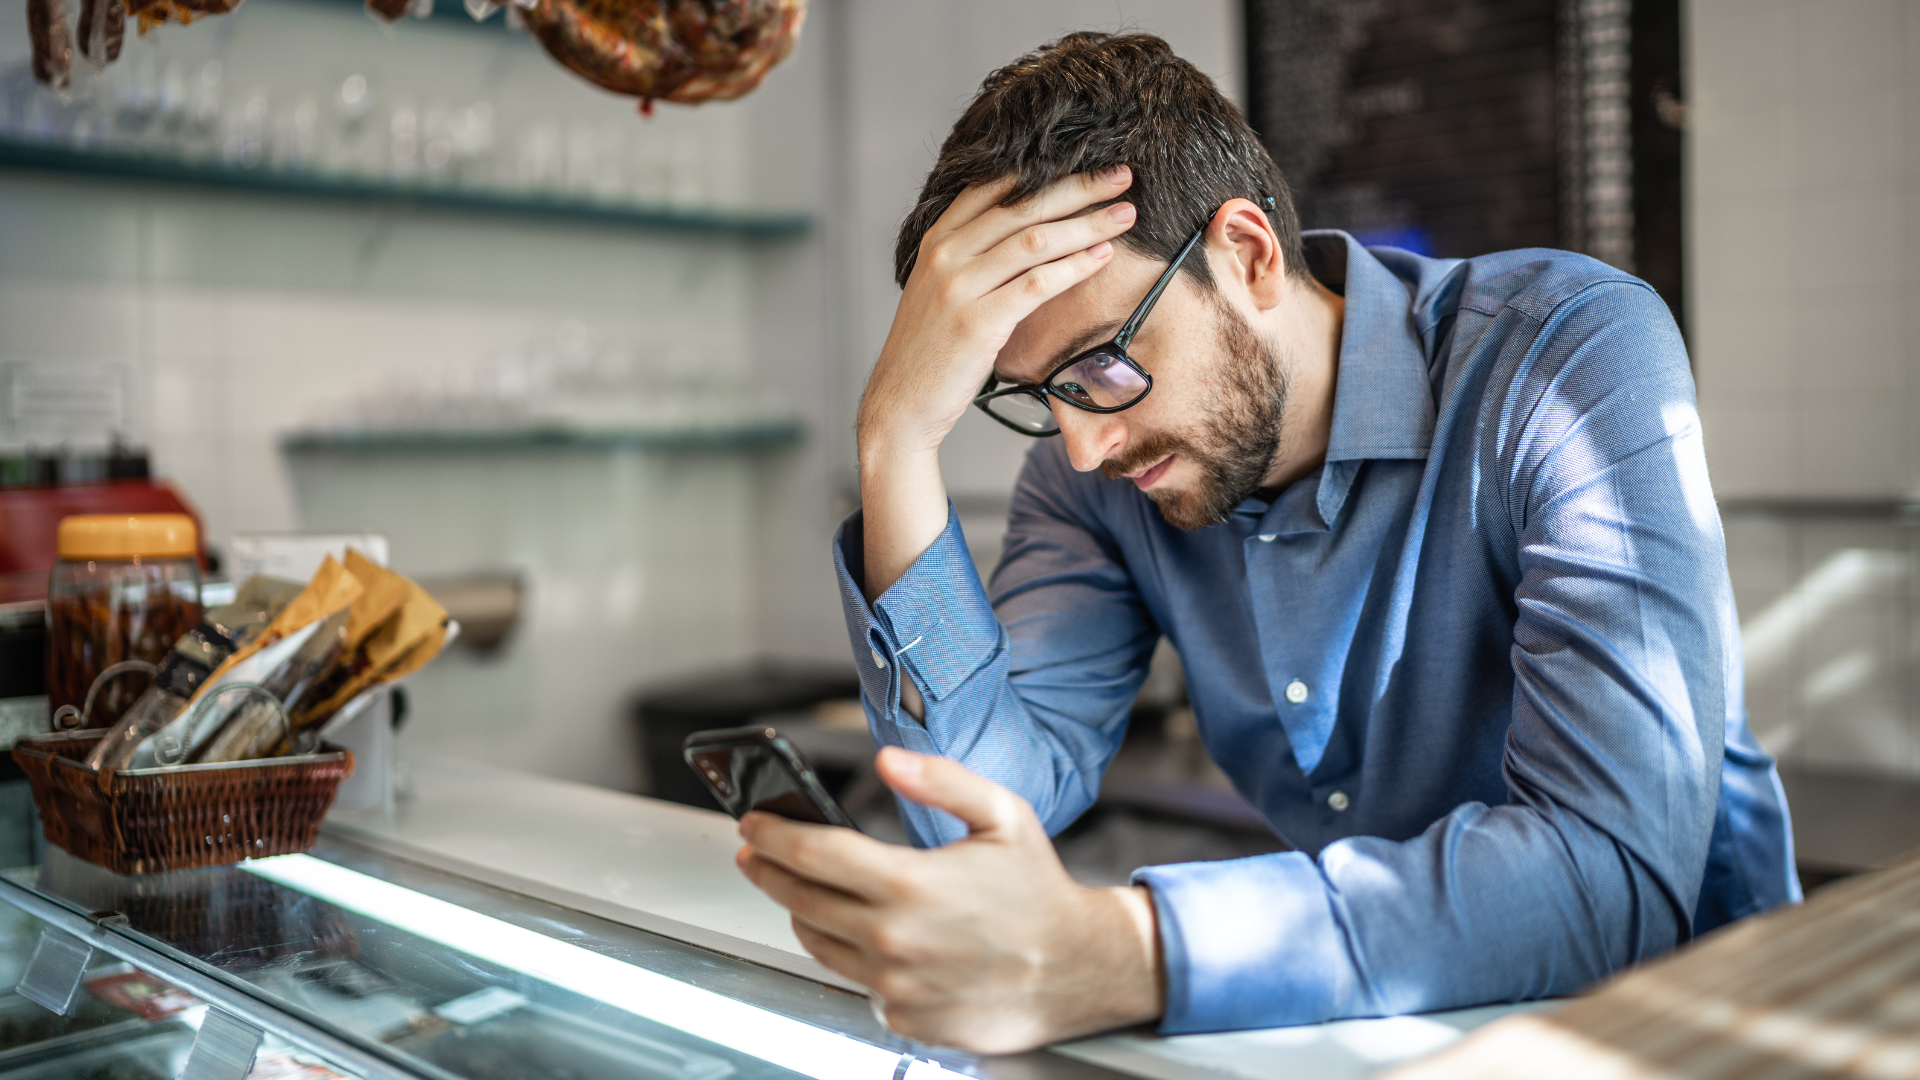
669, 869
660, 866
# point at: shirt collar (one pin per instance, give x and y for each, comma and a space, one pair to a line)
1382, 400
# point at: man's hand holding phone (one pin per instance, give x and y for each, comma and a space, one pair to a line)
985, 944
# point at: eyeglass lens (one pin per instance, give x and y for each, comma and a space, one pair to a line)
1099, 380
1024, 410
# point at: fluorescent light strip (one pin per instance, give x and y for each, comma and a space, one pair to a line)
782, 1040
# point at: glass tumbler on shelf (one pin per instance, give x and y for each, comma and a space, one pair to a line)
436, 144
124, 589
686, 172
353, 146
582, 153
403, 144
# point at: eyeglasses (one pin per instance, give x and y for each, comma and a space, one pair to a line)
1103, 379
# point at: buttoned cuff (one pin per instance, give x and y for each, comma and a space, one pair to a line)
934, 625
1246, 943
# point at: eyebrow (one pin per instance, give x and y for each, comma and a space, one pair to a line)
1081, 342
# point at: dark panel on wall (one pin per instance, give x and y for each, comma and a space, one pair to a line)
1458, 127
1429, 123
1659, 124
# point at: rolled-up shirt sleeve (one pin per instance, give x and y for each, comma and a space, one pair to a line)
1030, 689
1623, 626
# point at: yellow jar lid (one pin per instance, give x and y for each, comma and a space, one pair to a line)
128, 536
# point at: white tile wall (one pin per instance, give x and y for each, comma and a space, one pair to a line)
639, 565
242, 316
1803, 184
1804, 239
1831, 623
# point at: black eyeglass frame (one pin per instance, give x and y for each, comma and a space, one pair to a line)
1115, 346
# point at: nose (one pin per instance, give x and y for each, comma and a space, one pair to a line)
1092, 438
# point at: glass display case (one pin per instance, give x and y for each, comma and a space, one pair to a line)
348, 962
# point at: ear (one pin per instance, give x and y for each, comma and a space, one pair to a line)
1243, 249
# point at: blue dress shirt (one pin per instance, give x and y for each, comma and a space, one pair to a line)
1481, 670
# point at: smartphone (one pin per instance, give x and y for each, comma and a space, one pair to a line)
757, 768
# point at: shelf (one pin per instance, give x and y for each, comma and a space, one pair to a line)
17, 154
1894, 507
761, 435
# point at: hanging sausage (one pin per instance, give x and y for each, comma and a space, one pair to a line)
683, 51
103, 25
52, 42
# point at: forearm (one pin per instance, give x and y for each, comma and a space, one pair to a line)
972, 284
904, 499
1494, 904
1048, 735
902, 494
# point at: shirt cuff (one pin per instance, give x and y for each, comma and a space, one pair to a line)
937, 611
1247, 943
934, 625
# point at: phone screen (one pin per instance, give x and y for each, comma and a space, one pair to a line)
750, 774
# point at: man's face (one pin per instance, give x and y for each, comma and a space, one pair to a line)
1205, 437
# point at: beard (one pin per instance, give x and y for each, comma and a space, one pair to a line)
1235, 444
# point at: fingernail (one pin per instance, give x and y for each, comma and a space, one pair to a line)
1100, 250
1121, 211
1114, 174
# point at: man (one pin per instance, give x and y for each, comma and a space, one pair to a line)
1434, 540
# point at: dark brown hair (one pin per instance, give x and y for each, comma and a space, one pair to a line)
1090, 101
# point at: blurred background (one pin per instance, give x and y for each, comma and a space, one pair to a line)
593, 375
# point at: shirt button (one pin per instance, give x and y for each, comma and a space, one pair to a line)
1296, 691
1339, 801
1267, 538
879, 661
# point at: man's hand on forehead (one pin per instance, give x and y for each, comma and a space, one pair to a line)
980, 270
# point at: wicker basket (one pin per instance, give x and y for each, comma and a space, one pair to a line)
144, 821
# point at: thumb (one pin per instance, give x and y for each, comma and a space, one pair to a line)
944, 784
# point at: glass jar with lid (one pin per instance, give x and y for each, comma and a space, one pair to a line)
125, 588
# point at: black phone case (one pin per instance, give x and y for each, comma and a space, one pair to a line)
757, 768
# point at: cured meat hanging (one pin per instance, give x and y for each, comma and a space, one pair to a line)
103, 26
52, 42
683, 51
390, 10
152, 13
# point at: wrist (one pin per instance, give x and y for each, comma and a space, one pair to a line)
1117, 980
887, 441
890, 455
1147, 990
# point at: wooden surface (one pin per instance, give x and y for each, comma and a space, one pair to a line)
1831, 988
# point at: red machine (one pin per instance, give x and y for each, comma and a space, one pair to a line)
30, 518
